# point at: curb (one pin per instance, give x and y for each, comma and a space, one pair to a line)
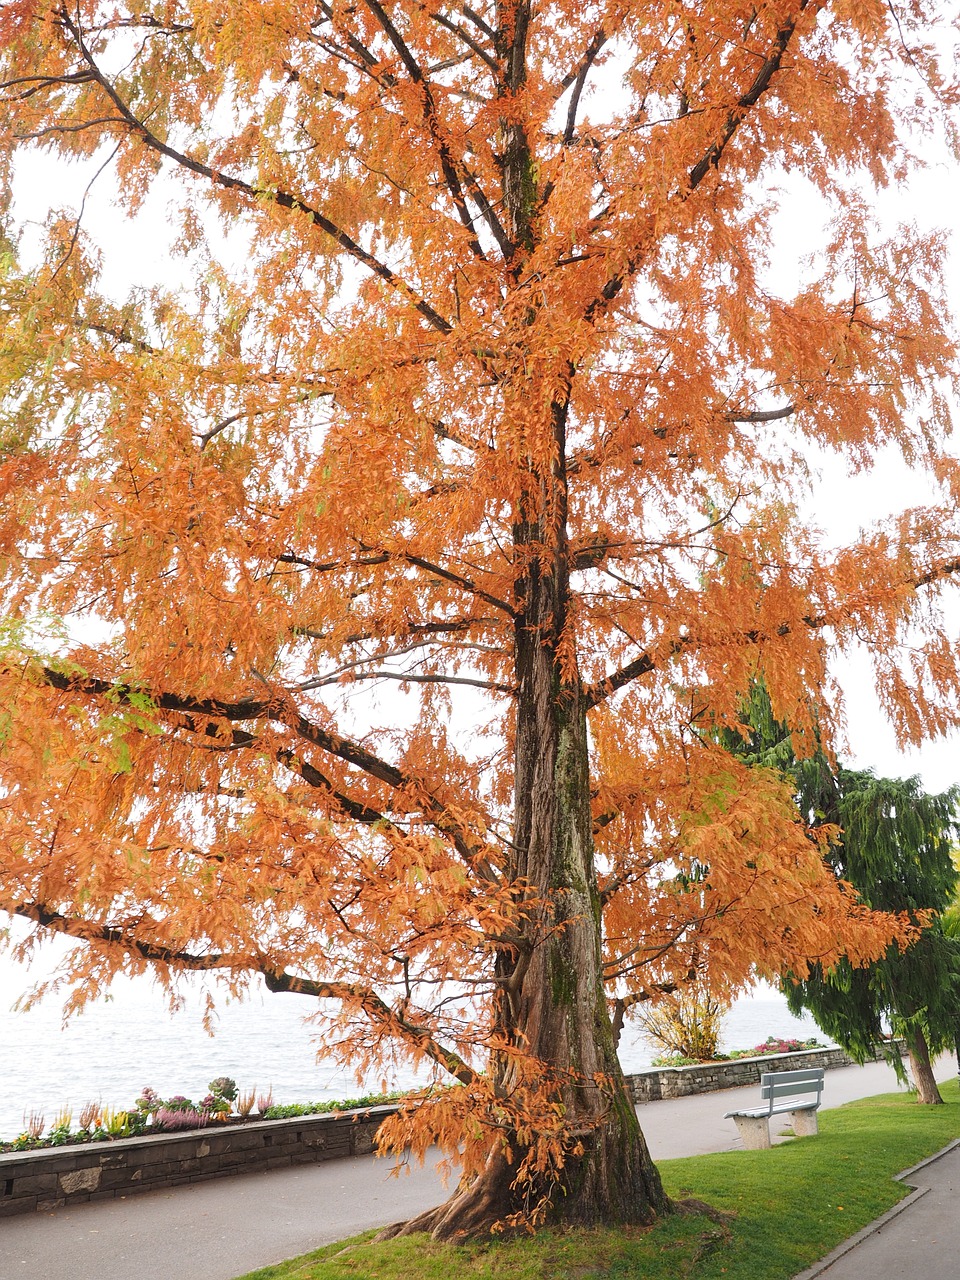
878, 1224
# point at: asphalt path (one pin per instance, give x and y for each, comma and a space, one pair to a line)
919, 1238
221, 1229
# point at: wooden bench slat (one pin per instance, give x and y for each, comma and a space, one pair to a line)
788, 1090
781, 1109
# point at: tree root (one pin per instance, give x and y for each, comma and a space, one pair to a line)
473, 1210
691, 1206
489, 1204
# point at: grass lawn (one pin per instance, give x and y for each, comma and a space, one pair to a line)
789, 1206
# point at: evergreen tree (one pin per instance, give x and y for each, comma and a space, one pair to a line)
894, 847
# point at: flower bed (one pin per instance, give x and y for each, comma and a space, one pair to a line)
772, 1044
152, 1115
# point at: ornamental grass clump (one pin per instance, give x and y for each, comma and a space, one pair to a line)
59, 1132
115, 1124
33, 1124
89, 1113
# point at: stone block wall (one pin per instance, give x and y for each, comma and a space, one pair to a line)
55, 1176
708, 1077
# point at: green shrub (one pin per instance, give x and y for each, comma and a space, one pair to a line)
288, 1110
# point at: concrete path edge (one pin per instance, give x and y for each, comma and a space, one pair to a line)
871, 1228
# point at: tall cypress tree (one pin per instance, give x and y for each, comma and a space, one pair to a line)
894, 847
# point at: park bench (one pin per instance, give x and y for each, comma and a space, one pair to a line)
795, 1094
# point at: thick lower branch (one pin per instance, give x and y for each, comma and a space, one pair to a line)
280, 710
275, 980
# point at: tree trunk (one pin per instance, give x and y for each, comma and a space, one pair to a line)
551, 998
920, 1068
560, 1011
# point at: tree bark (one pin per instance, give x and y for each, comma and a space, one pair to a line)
920, 1069
551, 1001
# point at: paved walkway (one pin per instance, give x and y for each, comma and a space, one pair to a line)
221, 1229
918, 1239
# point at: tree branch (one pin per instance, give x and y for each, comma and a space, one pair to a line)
623, 1003
329, 566
596, 693
356, 810
712, 156
404, 677
466, 584
402, 557
579, 80
468, 40
431, 119
761, 415
945, 570
478, 22
380, 1012
125, 337
282, 198
275, 980
455, 626
280, 710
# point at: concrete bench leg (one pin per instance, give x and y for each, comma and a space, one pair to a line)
755, 1132
804, 1122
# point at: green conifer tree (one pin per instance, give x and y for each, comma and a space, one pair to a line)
894, 847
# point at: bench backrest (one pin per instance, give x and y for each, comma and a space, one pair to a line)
775, 1086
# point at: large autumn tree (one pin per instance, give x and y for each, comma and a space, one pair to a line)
370, 587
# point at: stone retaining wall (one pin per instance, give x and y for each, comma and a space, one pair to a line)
55, 1176
681, 1082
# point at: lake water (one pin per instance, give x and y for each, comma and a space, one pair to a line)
117, 1046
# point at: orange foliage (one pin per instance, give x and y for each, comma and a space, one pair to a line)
490, 393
